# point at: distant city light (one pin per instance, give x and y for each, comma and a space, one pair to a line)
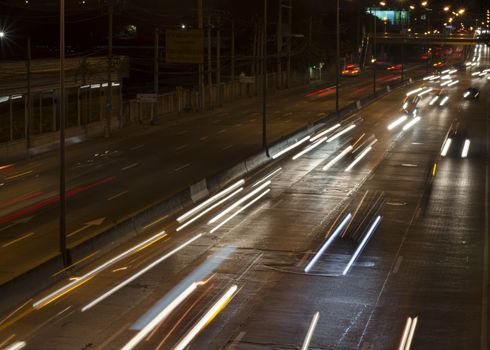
446, 8
2, 34
182, 26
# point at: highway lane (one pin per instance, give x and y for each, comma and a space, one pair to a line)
274, 240
106, 177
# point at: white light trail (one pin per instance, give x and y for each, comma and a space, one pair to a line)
422, 93
217, 196
453, 83
466, 94
446, 146
405, 105
16, 346
397, 122
311, 329
475, 73
411, 123
267, 177
278, 154
414, 91
206, 318
310, 147
445, 71
328, 242
466, 148
362, 245
453, 71
358, 159
429, 77
443, 101
408, 332
446, 77
337, 158
240, 201
433, 100
240, 210
66, 288
447, 82
340, 133
317, 136
468, 63
209, 209
159, 318
138, 274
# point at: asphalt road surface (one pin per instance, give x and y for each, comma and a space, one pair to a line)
109, 180
386, 245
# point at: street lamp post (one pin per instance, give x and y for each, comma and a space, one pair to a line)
337, 75
264, 81
62, 242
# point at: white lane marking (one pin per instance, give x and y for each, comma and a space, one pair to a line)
398, 263
182, 167
304, 258
136, 147
227, 147
417, 143
95, 222
18, 175
409, 165
288, 114
181, 147
221, 131
235, 341
130, 166
396, 204
155, 222
117, 195
203, 138
17, 240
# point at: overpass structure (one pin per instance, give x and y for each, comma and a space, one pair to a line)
430, 39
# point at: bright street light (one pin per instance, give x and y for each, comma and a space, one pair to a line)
2, 33
446, 8
461, 11
424, 3
382, 3
412, 7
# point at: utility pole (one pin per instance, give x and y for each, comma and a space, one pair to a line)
403, 60
62, 237
154, 109
290, 42
310, 30
201, 65
255, 54
232, 59
218, 62
210, 65
107, 131
264, 81
29, 96
374, 54
337, 73
279, 46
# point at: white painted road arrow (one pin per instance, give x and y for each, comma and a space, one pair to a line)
96, 222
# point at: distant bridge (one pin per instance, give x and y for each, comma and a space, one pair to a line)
436, 39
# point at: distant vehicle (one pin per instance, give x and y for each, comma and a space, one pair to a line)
394, 68
351, 70
409, 105
457, 143
471, 93
439, 64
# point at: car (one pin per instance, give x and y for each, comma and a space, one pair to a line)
439, 96
439, 64
351, 70
457, 142
409, 105
471, 93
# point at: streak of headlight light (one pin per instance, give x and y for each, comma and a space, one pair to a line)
340, 133
309, 148
311, 329
473, 64
16, 346
475, 73
488, 77
410, 335
447, 82
414, 113
240, 201
429, 77
453, 71
422, 93
191, 212
405, 105
328, 242
414, 91
316, 137
138, 274
337, 158
443, 101
466, 94
433, 100
277, 155
63, 290
445, 71
453, 83
209, 209
466, 148
206, 318
267, 177
159, 318
406, 331
446, 77
362, 245
486, 70
482, 74
446, 146
468, 63
411, 123
397, 122
240, 210
358, 159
